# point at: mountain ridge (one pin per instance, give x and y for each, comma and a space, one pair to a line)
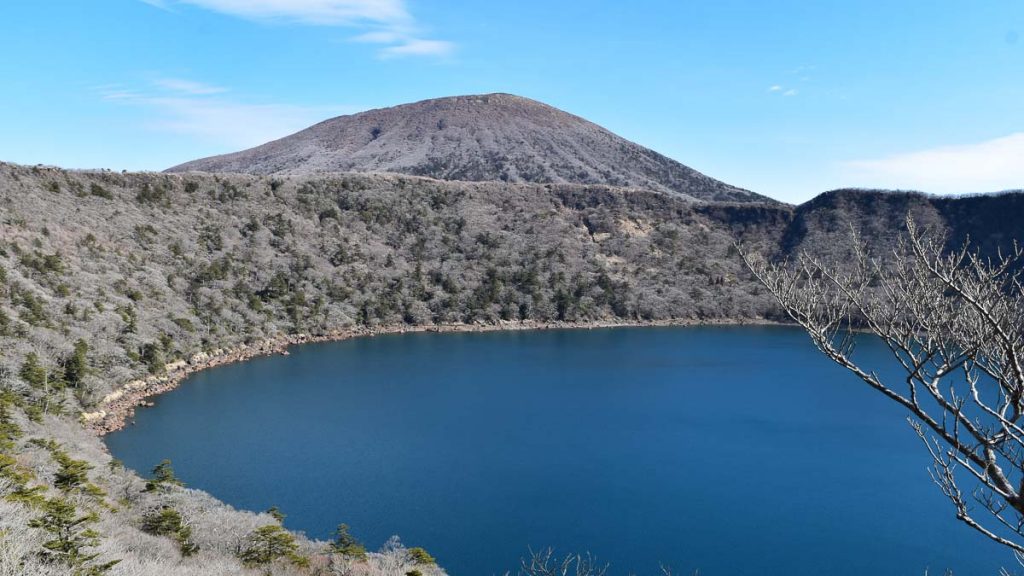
477, 138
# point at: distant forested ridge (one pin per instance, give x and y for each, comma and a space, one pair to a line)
155, 267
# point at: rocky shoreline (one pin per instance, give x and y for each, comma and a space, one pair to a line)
117, 409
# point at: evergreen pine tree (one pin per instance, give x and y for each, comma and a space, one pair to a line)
32, 372
163, 477
167, 522
76, 366
421, 556
277, 514
269, 543
70, 536
346, 544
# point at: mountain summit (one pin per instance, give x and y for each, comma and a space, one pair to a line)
493, 137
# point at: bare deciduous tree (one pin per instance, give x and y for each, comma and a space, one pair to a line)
954, 321
545, 563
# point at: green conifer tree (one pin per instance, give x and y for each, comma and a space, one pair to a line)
70, 537
346, 544
32, 372
421, 556
163, 477
269, 543
277, 514
76, 366
167, 522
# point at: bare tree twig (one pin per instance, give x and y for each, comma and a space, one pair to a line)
954, 322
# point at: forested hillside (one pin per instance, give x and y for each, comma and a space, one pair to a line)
109, 278
153, 267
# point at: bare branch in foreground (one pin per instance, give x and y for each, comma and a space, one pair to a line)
954, 321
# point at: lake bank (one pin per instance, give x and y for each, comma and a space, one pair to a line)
117, 409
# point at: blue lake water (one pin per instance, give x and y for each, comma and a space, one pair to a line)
728, 450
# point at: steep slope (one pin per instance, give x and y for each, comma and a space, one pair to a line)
494, 137
990, 222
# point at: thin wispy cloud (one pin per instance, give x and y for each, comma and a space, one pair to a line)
115, 92
204, 112
378, 37
801, 74
188, 86
229, 123
386, 22
418, 48
782, 90
803, 71
992, 165
316, 12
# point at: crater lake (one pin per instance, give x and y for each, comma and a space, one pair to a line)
728, 450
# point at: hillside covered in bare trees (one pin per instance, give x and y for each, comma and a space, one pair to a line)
111, 278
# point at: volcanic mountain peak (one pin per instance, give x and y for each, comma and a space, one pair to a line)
491, 137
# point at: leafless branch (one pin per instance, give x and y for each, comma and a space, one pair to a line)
954, 322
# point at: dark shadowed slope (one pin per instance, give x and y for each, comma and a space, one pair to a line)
823, 225
475, 138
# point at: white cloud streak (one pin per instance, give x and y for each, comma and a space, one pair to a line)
991, 165
782, 90
229, 123
415, 47
200, 111
388, 22
316, 12
188, 86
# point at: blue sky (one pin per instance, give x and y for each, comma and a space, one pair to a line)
787, 98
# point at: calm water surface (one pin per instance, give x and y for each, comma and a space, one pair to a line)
730, 450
